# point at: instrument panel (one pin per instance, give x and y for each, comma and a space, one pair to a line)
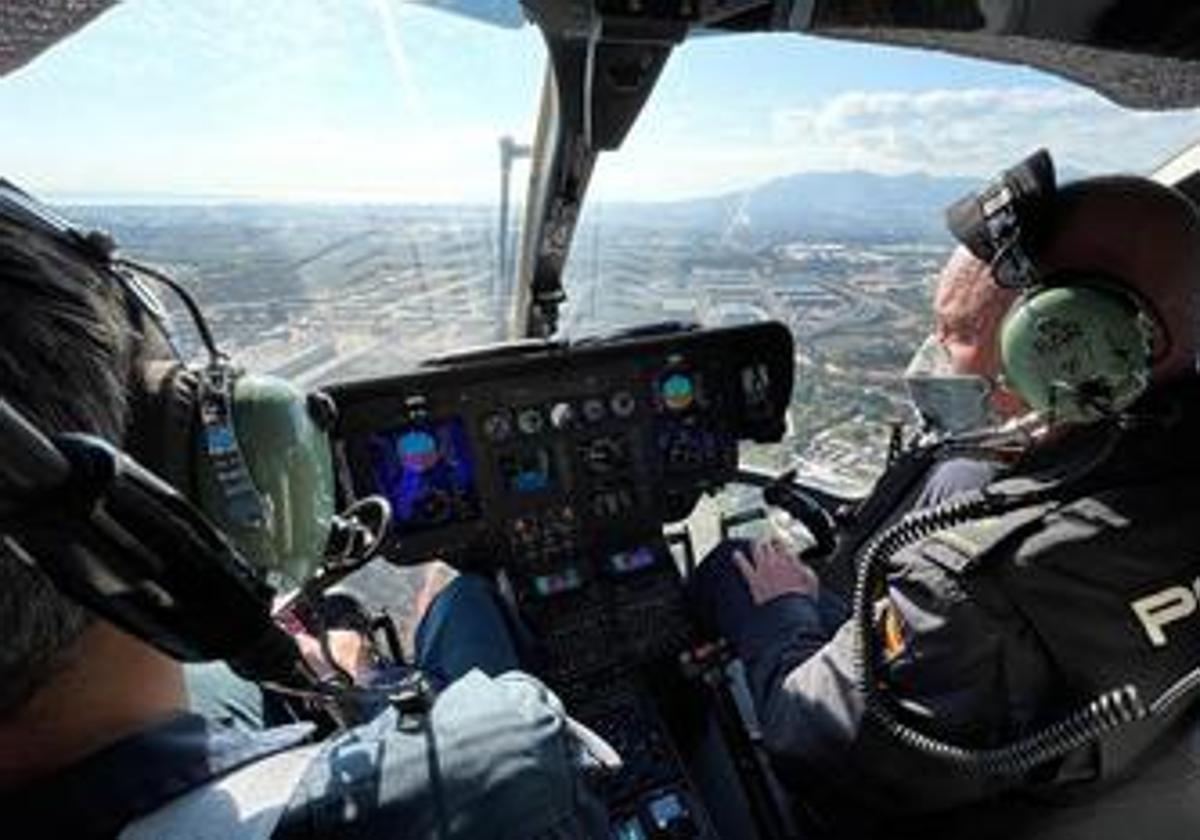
486, 458
554, 468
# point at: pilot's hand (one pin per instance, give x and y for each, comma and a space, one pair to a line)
775, 571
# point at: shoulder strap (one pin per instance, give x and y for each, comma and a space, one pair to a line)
891, 497
244, 805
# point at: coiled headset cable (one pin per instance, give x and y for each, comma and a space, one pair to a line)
1104, 714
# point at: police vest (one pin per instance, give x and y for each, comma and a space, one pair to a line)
1108, 582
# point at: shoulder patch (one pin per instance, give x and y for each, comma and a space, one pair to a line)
893, 631
967, 542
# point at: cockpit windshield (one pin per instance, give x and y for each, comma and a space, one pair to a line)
805, 180
323, 176
342, 185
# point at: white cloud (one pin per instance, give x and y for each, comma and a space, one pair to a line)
674, 152
977, 131
961, 132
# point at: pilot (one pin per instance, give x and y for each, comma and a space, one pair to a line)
95, 738
984, 631
955, 386
954, 378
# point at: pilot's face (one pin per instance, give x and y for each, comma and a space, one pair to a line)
967, 316
970, 345
969, 309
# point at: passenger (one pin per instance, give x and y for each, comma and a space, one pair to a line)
993, 629
95, 741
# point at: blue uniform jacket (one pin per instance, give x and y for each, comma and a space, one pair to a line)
992, 630
499, 759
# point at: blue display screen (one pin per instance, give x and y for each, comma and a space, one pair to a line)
427, 473
666, 810
527, 472
629, 828
627, 562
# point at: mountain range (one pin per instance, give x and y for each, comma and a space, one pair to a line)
845, 205
842, 206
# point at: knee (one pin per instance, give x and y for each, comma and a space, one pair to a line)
465, 587
467, 607
469, 584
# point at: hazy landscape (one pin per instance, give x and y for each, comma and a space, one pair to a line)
327, 292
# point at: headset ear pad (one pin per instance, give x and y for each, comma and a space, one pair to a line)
1077, 353
165, 423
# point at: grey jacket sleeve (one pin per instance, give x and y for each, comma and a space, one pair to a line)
495, 759
963, 668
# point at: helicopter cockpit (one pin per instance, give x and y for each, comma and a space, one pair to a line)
577, 400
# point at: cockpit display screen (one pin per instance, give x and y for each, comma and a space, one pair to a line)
427, 472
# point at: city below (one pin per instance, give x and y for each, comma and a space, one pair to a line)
336, 292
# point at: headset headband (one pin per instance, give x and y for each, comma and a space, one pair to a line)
1076, 345
1001, 224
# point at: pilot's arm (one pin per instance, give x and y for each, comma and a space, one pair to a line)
964, 669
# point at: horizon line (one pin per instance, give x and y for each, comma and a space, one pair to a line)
103, 198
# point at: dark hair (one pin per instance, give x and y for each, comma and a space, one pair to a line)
66, 353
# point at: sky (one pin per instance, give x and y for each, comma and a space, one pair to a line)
382, 100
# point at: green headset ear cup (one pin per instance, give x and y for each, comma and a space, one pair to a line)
1076, 353
288, 457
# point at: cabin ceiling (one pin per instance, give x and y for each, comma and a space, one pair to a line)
1142, 74
27, 27
1149, 82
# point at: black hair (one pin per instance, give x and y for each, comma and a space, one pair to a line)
66, 355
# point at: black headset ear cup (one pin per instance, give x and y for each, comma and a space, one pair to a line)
166, 422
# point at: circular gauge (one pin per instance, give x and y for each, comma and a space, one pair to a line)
678, 391
529, 421
561, 415
497, 426
593, 409
622, 404
418, 450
